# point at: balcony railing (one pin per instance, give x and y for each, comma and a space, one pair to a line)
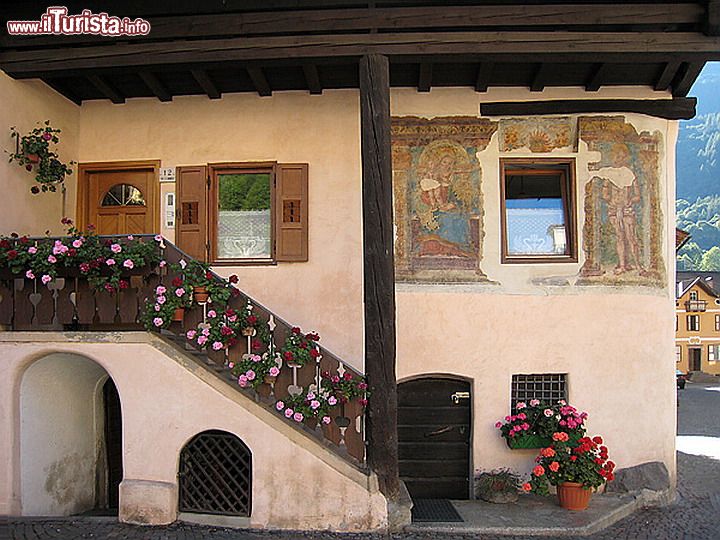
696, 305
69, 303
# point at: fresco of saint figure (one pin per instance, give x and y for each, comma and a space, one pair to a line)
444, 200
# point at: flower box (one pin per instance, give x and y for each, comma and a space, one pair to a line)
521, 442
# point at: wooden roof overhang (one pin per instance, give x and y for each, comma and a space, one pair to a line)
218, 46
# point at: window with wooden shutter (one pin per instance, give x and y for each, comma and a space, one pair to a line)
191, 231
291, 212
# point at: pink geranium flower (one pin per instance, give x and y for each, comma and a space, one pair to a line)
46, 279
32, 250
298, 417
274, 371
202, 340
191, 334
280, 405
217, 345
110, 262
157, 321
128, 263
289, 413
51, 259
160, 289
116, 248
326, 420
29, 274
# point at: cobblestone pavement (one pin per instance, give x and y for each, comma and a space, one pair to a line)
694, 515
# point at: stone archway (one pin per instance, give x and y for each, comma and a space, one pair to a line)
63, 455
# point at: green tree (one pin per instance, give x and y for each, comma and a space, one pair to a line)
711, 260
244, 191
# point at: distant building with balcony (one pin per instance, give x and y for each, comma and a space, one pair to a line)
697, 322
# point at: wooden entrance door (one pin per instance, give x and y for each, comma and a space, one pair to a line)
119, 198
695, 360
434, 438
113, 442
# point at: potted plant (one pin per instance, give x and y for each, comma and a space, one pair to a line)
33, 152
105, 263
497, 486
309, 407
531, 424
166, 306
299, 348
206, 286
255, 369
575, 467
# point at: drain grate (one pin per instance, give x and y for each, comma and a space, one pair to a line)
434, 510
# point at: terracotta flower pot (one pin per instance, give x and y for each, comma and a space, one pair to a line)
179, 314
32, 158
573, 496
200, 294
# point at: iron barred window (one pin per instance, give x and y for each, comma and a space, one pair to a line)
547, 387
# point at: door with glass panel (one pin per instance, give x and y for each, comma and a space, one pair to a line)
120, 201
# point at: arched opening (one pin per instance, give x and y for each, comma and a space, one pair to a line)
215, 475
434, 437
70, 437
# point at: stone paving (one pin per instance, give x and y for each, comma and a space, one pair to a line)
694, 515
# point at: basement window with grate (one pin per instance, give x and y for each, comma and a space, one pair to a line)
547, 387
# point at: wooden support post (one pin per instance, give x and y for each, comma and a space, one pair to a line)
379, 271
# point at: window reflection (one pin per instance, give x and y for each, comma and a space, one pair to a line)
123, 195
244, 221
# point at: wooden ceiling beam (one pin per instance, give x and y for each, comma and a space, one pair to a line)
685, 78
62, 89
541, 77
155, 86
425, 77
259, 81
291, 21
106, 89
484, 74
312, 78
667, 75
203, 79
679, 108
538, 45
598, 77
712, 18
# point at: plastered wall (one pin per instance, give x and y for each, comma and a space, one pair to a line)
166, 400
60, 426
24, 104
612, 340
288, 127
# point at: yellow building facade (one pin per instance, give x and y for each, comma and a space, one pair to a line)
697, 326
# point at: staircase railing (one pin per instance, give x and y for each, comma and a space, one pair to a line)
69, 303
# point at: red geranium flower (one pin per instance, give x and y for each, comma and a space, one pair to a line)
295, 330
252, 319
12, 254
177, 281
233, 279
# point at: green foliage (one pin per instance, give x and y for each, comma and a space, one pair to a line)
701, 219
244, 192
711, 260
35, 154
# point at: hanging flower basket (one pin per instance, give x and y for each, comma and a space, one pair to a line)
35, 154
525, 441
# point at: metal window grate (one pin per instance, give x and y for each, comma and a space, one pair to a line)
547, 387
215, 475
